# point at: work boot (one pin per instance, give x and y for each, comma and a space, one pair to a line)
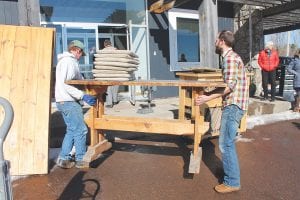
222, 188
297, 106
65, 164
82, 164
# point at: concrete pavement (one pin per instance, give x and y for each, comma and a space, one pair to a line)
148, 166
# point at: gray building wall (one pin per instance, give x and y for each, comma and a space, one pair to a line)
23, 12
9, 12
160, 54
242, 33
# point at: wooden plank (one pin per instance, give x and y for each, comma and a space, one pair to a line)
7, 42
25, 79
14, 138
147, 119
206, 75
175, 83
27, 109
43, 97
182, 103
199, 122
147, 125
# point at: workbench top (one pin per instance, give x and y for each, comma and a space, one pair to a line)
181, 83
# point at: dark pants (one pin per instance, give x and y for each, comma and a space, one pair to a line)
269, 77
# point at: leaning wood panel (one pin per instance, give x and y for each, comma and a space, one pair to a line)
25, 61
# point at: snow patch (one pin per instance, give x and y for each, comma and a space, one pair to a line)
253, 121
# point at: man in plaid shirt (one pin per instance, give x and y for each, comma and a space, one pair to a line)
235, 103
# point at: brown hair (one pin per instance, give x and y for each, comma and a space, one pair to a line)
228, 37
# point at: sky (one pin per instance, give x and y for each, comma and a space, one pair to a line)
284, 38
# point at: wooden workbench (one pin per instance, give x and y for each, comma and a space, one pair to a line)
98, 121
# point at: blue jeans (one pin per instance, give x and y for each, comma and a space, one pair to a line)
231, 117
76, 130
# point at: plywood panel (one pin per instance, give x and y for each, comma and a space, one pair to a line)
26, 75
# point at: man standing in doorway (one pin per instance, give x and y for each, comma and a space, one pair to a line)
268, 61
112, 91
235, 103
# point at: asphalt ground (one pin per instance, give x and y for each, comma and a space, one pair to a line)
148, 166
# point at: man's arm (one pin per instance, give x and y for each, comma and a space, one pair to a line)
220, 92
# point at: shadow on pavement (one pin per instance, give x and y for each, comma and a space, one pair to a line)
78, 188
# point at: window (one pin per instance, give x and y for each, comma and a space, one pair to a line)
93, 11
184, 39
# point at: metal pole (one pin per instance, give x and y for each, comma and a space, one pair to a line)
250, 34
5, 182
288, 44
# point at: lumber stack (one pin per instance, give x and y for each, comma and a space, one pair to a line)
115, 65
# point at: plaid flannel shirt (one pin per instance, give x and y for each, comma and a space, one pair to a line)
234, 75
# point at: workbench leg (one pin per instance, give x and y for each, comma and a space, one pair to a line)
182, 102
196, 155
93, 131
243, 124
98, 142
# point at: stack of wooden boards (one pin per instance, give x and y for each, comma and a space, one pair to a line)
115, 65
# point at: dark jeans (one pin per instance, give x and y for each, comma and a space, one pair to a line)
269, 77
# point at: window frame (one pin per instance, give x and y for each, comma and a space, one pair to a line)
173, 14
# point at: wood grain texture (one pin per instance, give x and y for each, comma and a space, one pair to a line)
26, 60
175, 83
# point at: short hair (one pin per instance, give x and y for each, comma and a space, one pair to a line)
107, 43
269, 45
228, 37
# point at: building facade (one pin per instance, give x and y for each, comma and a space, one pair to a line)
165, 43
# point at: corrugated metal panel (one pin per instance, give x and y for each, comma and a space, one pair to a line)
9, 12
225, 24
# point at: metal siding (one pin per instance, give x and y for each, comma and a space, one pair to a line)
2, 16
15, 15
9, 12
225, 24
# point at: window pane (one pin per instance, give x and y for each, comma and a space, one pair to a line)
188, 40
93, 11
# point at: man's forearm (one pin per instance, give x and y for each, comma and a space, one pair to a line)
219, 92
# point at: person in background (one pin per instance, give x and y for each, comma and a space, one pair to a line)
68, 99
268, 61
294, 68
112, 91
182, 58
235, 103
257, 79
